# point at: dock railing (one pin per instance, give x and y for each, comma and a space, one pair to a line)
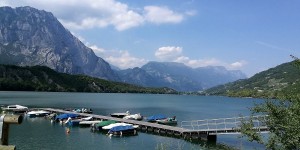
224, 125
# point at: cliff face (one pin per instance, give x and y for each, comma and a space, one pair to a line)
31, 37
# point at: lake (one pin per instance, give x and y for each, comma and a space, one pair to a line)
40, 134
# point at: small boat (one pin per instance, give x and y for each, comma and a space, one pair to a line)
98, 126
15, 108
83, 110
87, 118
122, 130
154, 118
168, 121
108, 127
88, 123
38, 113
76, 122
62, 117
120, 115
72, 122
134, 117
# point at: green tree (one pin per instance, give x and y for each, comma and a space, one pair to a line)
283, 121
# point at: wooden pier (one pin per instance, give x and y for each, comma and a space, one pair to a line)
189, 130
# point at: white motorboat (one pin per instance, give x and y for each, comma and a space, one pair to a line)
38, 113
120, 115
15, 108
134, 117
89, 123
108, 127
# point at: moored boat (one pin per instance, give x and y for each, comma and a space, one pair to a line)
76, 122
98, 126
72, 122
154, 118
168, 121
108, 127
38, 113
125, 130
83, 110
120, 115
88, 123
63, 117
15, 108
134, 117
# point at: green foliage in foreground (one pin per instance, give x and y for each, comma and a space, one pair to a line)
40, 78
283, 122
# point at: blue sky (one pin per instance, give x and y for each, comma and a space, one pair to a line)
250, 36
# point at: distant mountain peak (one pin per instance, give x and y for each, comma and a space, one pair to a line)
179, 76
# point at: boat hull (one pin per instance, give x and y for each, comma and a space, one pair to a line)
173, 123
130, 132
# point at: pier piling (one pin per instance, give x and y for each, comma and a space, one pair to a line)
5, 121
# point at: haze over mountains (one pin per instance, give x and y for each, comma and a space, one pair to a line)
179, 76
30, 37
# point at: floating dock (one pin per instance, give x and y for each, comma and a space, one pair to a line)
189, 130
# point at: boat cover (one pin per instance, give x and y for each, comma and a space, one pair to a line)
105, 123
120, 128
66, 116
156, 117
115, 125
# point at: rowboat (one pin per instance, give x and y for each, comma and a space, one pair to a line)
168, 121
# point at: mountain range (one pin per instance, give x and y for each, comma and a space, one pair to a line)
179, 76
30, 37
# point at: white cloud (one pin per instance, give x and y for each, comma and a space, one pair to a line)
121, 59
78, 14
174, 54
160, 15
237, 65
97, 50
168, 53
195, 63
124, 60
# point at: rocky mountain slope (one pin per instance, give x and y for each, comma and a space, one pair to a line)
30, 37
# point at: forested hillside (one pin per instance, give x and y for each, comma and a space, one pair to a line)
278, 82
39, 78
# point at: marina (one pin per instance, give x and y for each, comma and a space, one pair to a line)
46, 135
220, 126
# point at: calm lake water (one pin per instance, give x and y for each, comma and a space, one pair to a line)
40, 134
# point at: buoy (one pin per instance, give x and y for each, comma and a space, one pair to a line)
68, 130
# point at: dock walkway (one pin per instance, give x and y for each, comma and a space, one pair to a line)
197, 129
